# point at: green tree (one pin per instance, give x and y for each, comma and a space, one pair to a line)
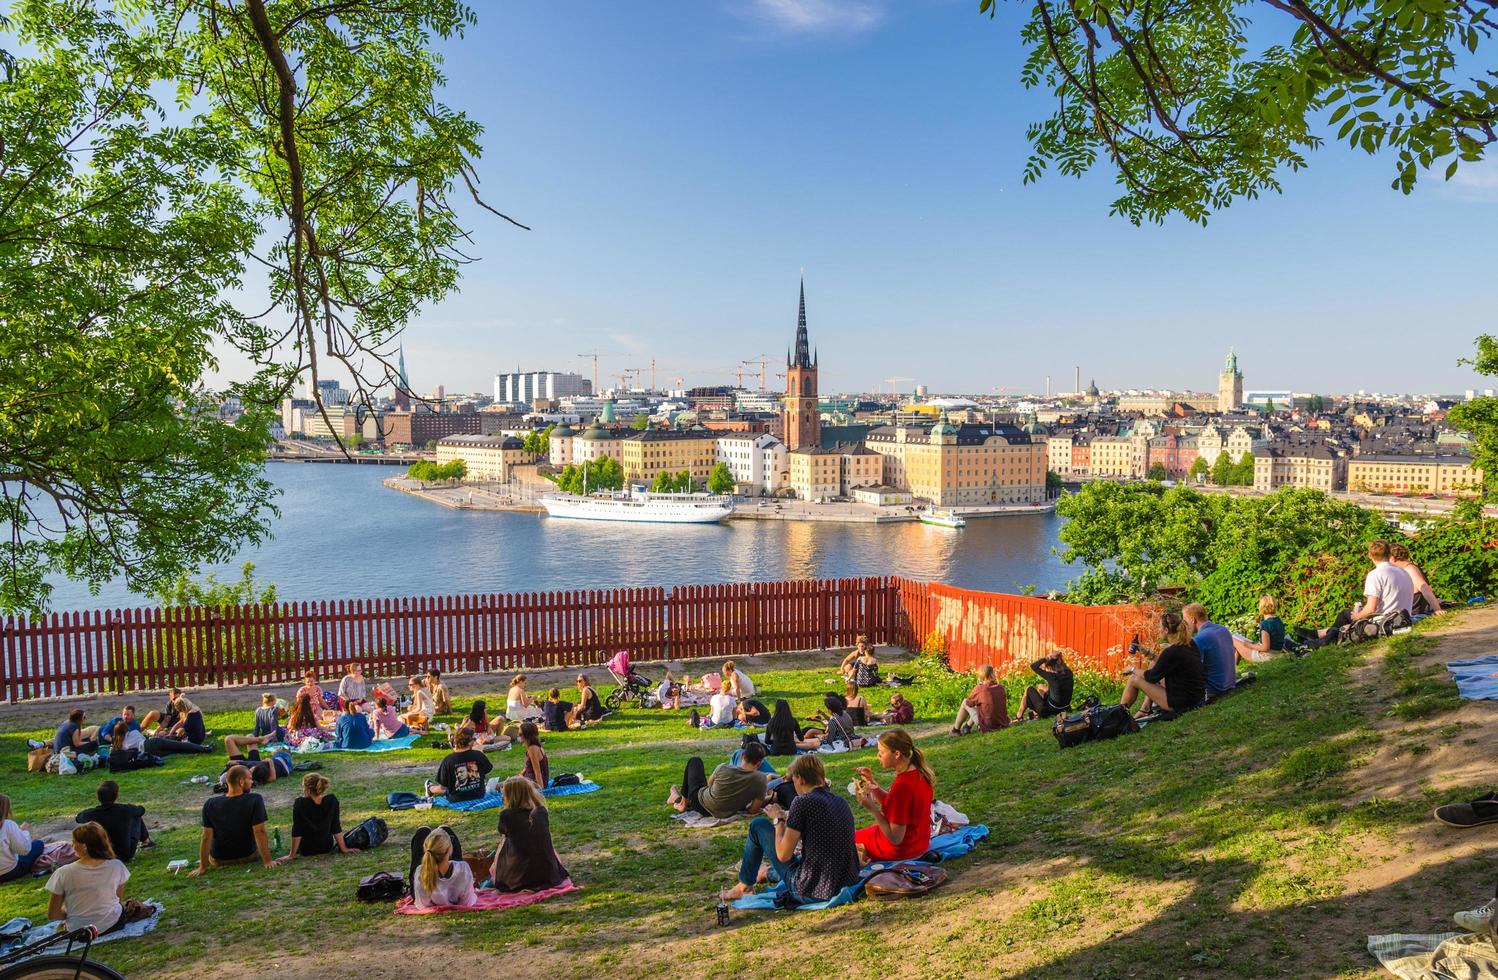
531, 443
1198, 467
641, 422
1243, 471
1053, 484
1480, 418
311, 139
353, 441
1194, 114
1222, 470
211, 593
720, 480
1269, 407
1158, 471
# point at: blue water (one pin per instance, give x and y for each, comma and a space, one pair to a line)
343, 535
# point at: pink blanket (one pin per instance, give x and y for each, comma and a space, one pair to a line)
490, 901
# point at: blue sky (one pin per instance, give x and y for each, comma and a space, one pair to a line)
681, 162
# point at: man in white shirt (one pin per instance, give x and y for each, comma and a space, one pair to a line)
1386, 589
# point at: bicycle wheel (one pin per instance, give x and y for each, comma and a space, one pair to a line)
59, 968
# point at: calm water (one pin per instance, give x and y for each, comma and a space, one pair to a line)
343, 535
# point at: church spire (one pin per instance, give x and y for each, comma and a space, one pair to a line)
803, 347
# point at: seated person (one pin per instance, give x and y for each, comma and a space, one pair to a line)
526, 859
486, 730
18, 851
861, 666
315, 825
820, 821
89, 892
720, 709
189, 726
902, 815
352, 687
422, 709
736, 681
520, 706
233, 826
128, 751
783, 736
1387, 589
1271, 635
461, 774
387, 721
183, 729
1054, 696
833, 723
442, 702
353, 730
729, 790
268, 717
589, 704
125, 823
70, 735
668, 693
1424, 602
751, 712
441, 880
557, 715
1176, 681
537, 766
126, 717
901, 711
164, 723
305, 722
858, 705
314, 691
987, 705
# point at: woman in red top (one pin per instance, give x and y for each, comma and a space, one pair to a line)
902, 815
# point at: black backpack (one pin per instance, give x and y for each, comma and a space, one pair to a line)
1373, 627
1094, 723
370, 833
381, 886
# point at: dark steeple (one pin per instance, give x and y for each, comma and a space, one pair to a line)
803, 348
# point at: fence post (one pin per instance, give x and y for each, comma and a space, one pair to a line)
215, 668
824, 610
116, 654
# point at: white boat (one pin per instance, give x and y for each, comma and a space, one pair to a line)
942, 518
652, 508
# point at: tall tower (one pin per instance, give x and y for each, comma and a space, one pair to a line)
1230, 385
803, 423
402, 383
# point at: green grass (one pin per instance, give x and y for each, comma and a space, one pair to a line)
1202, 844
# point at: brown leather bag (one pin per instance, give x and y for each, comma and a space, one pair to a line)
36, 759
905, 881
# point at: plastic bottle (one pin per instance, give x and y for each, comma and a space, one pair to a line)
278, 839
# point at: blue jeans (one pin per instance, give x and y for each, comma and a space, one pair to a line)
759, 844
24, 862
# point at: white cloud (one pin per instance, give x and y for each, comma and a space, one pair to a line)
1476, 182
818, 16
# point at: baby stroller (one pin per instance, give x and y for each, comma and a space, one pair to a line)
633, 686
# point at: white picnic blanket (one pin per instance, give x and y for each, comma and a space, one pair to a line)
699, 821
1437, 956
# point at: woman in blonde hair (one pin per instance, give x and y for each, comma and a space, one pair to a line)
520, 706
441, 880
90, 892
316, 827
902, 814
1271, 635
526, 859
1177, 680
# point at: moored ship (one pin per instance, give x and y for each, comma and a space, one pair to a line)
649, 508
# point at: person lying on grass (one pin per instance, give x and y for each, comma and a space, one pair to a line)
440, 880
525, 859
461, 775
90, 892
1177, 680
902, 814
244, 750
986, 706
820, 821
233, 826
668, 693
729, 790
315, 824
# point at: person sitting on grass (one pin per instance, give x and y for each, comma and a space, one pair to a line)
441, 880
751, 711
735, 681
125, 823
1387, 590
784, 737
422, 708
315, 824
861, 666
233, 826
185, 732
352, 689
668, 693
820, 821
520, 706
589, 704
486, 731
1176, 681
1271, 635
858, 705
353, 730
442, 702
126, 717
526, 860
387, 721
729, 790
164, 723
1423, 601
557, 715
833, 723
128, 751
987, 705
461, 774
1052, 697
72, 736
720, 709
89, 893
313, 690
18, 851
1215, 645
303, 722
902, 815
537, 766
901, 711
268, 717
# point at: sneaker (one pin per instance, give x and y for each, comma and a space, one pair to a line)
1475, 813
426, 787
32, 743
1478, 920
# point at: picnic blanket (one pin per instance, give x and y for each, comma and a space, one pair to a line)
943, 848
1439, 956
701, 821
489, 900
491, 801
132, 930
378, 745
1476, 680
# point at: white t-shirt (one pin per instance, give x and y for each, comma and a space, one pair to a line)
134, 740
746, 686
720, 709
421, 702
1393, 586
13, 843
455, 889
90, 892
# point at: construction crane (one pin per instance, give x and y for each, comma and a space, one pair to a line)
893, 384
763, 361
595, 355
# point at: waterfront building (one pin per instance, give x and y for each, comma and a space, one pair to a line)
815, 473
417, 428
488, 458
1113, 456
1441, 475
757, 461
646, 455
802, 413
523, 388
1230, 385
597, 441
1300, 463
559, 445
962, 465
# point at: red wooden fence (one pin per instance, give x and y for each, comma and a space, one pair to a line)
99, 652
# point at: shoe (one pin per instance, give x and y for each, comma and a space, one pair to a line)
1483, 810
426, 787
32, 743
1478, 920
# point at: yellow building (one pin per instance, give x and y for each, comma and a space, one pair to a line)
1300, 465
646, 455
489, 458
962, 465
861, 467
815, 473
1444, 476
1113, 456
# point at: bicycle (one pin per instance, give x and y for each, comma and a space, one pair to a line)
56, 966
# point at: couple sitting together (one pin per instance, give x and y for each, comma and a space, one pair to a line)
463, 774
525, 860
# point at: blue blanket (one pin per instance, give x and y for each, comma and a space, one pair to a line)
943, 848
381, 745
491, 801
1477, 679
